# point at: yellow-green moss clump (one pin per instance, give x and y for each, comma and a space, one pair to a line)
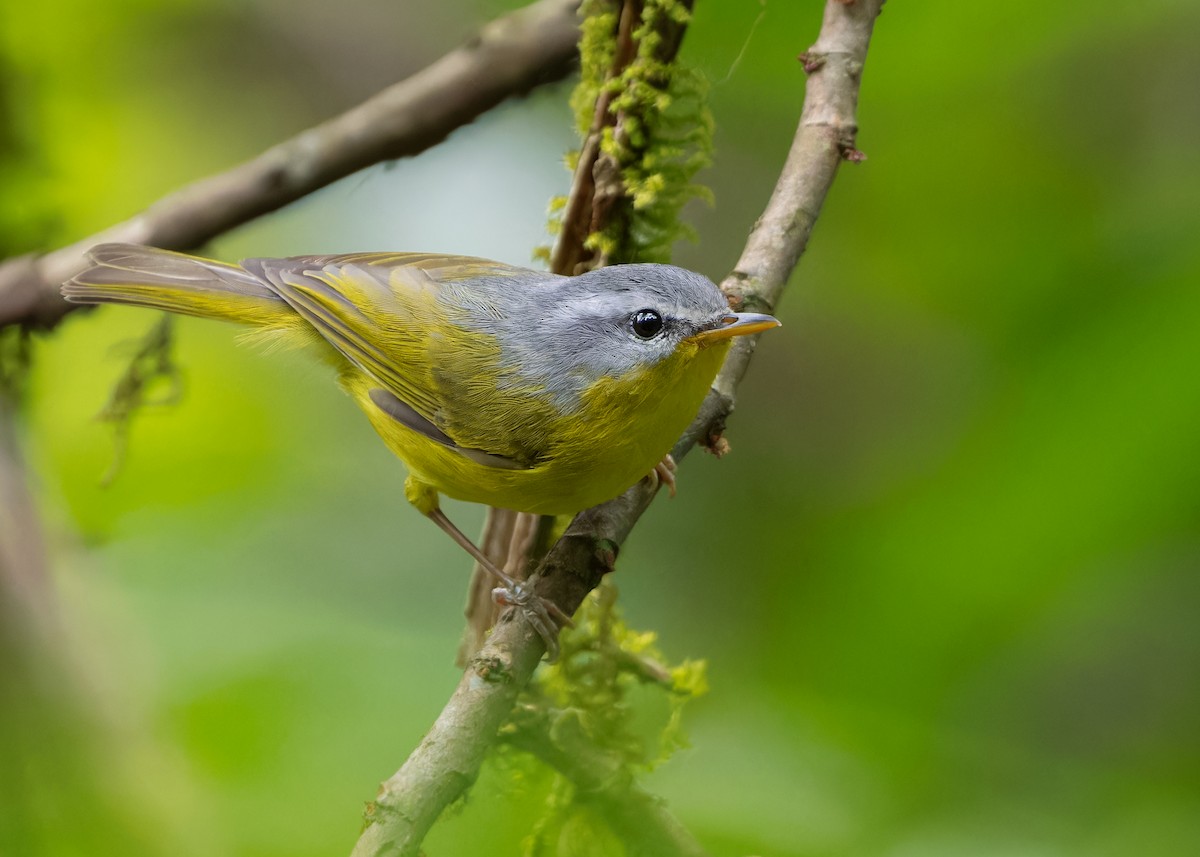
659, 133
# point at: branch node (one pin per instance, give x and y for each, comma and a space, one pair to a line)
374, 811
606, 555
812, 60
745, 293
714, 441
492, 669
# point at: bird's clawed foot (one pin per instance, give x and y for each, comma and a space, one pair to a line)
664, 474
546, 617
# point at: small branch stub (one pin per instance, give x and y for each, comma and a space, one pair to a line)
811, 61
714, 442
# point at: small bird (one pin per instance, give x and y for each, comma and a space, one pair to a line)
492, 383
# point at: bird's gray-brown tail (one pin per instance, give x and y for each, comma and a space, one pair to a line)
159, 279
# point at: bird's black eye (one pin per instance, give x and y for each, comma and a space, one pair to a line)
646, 323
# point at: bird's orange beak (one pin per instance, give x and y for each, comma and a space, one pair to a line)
736, 324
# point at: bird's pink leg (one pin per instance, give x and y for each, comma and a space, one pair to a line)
545, 616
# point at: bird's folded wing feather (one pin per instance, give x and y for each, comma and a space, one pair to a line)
381, 311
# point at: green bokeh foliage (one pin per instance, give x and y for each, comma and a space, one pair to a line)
946, 583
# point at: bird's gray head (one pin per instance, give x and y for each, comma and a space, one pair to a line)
636, 314
564, 333
612, 321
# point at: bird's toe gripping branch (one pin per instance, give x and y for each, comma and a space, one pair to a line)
664, 474
546, 617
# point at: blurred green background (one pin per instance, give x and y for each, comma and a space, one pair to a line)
947, 582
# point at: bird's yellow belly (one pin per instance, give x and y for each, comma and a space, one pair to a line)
622, 430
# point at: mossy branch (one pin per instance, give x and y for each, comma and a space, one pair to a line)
646, 131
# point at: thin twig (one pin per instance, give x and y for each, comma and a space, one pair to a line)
447, 761
509, 56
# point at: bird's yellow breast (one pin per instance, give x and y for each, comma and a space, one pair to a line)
620, 431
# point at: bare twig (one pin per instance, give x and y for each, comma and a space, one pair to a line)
448, 760
509, 56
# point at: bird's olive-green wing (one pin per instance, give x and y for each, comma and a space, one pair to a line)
383, 312
438, 267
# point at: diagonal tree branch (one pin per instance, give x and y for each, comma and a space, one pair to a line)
448, 760
509, 56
